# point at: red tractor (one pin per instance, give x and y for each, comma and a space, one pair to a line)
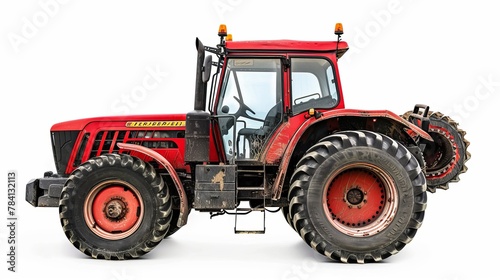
272, 133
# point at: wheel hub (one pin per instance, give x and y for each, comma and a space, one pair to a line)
355, 196
115, 209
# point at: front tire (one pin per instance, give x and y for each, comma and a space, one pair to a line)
115, 207
357, 196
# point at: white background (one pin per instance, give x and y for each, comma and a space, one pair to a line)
81, 58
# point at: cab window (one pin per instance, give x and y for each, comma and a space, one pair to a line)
313, 84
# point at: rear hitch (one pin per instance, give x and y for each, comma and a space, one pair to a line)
420, 117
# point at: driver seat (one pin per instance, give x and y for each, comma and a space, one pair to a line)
251, 135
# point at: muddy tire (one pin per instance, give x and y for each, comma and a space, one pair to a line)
115, 207
357, 196
446, 157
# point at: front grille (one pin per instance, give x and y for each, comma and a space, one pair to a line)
62, 146
81, 150
106, 141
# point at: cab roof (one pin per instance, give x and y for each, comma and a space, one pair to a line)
287, 45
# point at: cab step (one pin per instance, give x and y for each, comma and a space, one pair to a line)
247, 211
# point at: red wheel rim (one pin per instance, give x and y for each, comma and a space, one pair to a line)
360, 200
113, 209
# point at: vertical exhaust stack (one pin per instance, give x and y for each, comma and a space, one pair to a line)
198, 121
200, 93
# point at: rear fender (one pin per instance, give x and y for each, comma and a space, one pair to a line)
184, 209
314, 129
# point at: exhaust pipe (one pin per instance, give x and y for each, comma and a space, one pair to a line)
200, 93
198, 121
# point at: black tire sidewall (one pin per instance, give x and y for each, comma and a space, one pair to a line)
173, 225
321, 180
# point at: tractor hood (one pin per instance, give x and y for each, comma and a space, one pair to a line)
175, 120
76, 141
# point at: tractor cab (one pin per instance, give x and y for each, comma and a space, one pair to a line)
251, 98
259, 86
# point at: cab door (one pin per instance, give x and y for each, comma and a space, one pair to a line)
250, 105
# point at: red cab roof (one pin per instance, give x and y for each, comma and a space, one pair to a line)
286, 45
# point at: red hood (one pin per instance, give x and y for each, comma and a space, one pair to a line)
126, 121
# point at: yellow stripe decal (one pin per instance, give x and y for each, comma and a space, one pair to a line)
156, 124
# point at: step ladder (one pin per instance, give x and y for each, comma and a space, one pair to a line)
248, 211
251, 211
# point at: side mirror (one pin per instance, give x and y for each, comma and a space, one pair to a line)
207, 69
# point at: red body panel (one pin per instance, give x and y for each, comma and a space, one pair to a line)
162, 133
282, 143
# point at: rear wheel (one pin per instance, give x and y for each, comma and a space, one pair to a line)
357, 196
115, 207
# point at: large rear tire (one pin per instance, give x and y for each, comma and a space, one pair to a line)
115, 207
357, 196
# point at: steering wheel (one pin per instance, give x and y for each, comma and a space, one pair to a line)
227, 123
242, 111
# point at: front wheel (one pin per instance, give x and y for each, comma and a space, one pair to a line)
357, 196
115, 207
